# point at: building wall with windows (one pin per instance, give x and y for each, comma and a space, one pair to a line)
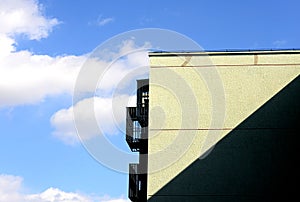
207, 107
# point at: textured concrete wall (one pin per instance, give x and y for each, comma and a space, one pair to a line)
196, 100
256, 161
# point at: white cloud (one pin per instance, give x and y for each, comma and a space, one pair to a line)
11, 189
109, 114
24, 17
104, 21
126, 69
115, 91
26, 78
117, 200
56, 195
279, 43
7, 46
101, 21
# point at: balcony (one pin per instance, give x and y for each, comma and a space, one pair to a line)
142, 113
137, 139
136, 190
143, 101
133, 129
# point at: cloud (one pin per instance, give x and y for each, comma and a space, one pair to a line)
109, 114
11, 189
26, 78
56, 195
24, 17
116, 200
279, 43
109, 74
7, 46
124, 70
114, 92
103, 21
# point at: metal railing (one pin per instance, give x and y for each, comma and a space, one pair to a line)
131, 112
142, 114
134, 182
133, 129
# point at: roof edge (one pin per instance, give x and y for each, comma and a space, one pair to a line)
225, 52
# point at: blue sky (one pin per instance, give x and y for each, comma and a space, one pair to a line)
45, 43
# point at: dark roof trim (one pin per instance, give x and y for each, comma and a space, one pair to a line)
224, 52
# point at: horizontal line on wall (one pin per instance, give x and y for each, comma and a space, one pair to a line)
204, 53
233, 65
206, 129
207, 195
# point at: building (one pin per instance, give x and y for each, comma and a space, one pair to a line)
137, 139
222, 126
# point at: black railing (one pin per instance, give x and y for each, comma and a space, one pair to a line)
143, 102
135, 183
142, 114
131, 113
133, 129
137, 139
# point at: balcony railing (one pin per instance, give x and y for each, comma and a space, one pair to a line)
135, 183
137, 139
133, 129
131, 113
142, 113
143, 102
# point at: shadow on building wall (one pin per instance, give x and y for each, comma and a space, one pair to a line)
257, 161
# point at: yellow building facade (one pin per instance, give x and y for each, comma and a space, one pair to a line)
197, 98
